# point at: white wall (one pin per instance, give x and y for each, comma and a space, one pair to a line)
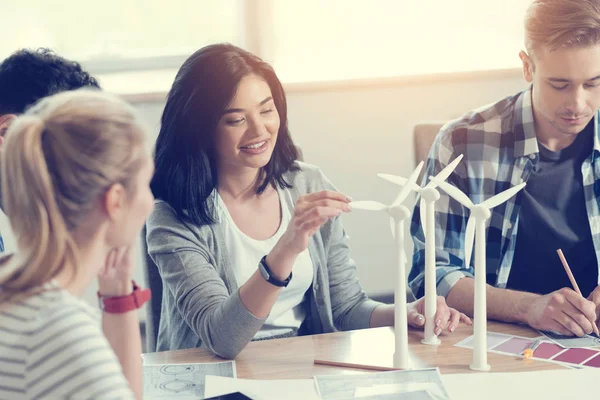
352, 133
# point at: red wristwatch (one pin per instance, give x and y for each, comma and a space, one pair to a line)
123, 304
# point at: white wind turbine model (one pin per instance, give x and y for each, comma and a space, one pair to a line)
399, 213
480, 213
429, 195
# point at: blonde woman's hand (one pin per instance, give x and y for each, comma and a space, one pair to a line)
114, 278
446, 318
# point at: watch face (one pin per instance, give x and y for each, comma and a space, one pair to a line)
263, 272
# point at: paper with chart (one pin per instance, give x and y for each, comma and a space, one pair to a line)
572, 341
182, 381
383, 385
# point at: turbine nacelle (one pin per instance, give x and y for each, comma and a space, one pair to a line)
398, 212
481, 212
396, 209
429, 194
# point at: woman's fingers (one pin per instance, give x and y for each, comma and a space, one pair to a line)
119, 263
314, 218
454, 320
465, 319
325, 194
109, 264
415, 319
442, 315
307, 208
311, 212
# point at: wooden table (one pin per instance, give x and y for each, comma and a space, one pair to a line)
293, 358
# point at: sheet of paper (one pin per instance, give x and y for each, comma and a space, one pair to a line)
418, 395
333, 387
547, 385
569, 341
182, 381
424, 390
289, 389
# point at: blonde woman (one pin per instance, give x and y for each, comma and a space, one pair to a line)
75, 174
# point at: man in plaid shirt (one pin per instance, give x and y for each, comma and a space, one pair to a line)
548, 137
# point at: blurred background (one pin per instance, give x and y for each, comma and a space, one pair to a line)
358, 75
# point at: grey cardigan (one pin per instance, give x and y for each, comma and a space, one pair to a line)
201, 303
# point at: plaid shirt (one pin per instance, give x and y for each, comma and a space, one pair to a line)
500, 150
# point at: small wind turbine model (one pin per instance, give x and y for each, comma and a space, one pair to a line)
398, 212
480, 213
429, 195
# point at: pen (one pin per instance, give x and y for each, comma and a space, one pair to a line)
563, 260
528, 352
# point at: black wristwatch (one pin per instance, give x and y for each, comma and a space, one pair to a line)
266, 273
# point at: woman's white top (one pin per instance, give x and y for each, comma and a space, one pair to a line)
289, 310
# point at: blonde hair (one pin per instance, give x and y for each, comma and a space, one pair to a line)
562, 23
59, 158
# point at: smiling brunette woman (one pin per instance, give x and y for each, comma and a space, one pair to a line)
248, 241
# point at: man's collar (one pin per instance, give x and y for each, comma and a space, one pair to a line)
524, 126
596, 139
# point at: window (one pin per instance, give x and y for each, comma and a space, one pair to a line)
316, 40
306, 41
113, 35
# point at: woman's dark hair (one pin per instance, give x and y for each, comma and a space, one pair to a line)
185, 157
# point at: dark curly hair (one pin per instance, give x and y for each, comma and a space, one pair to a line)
28, 75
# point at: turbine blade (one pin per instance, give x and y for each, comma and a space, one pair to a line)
412, 179
469, 238
445, 173
368, 205
454, 192
502, 196
398, 180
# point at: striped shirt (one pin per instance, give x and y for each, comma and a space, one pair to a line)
500, 150
52, 347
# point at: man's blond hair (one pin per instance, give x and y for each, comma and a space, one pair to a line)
554, 24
